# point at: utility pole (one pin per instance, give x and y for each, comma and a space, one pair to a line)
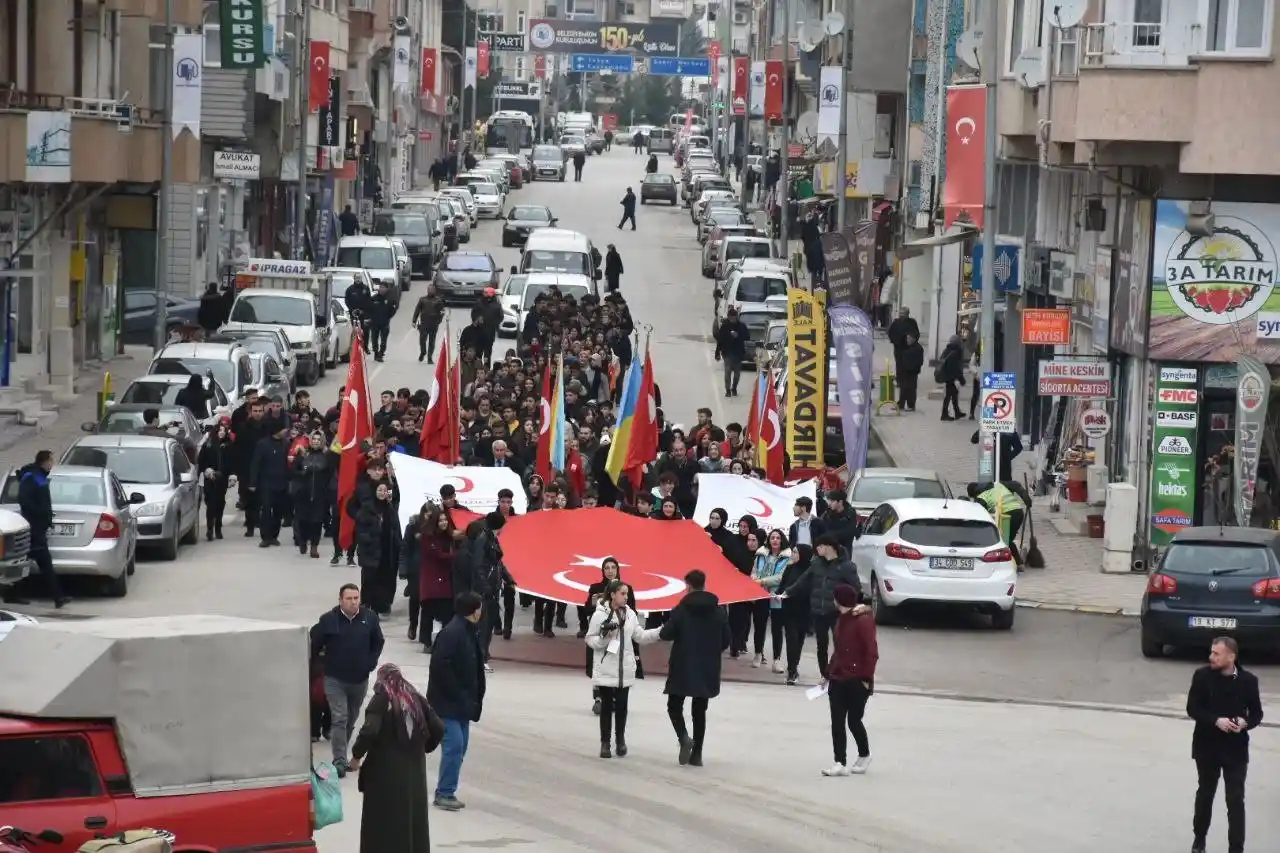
842, 159
303, 76
475, 80
785, 136
724, 83
990, 76
161, 332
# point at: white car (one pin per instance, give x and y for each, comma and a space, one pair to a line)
461, 218
488, 199
511, 295
463, 195
341, 332
571, 144
936, 551
8, 619
161, 389
699, 207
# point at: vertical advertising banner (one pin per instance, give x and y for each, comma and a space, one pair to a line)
540, 67
400, 62
854, 340
964, 189
1174, 436
429, 58
469, 78
242, 29
482, 59
757, 90
1252, 396
773, 90
830, 101
187, 80
806, 407
331, 115
318, 76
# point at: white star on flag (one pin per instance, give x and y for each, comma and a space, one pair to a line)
593, 562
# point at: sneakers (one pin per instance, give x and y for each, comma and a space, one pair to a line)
860, 765
449, 804
777, 665
836, 770
756, 661
341, 766
793, 678
333, 561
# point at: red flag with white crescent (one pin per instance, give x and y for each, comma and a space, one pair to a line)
429, 70
773, 90
437, 441
318, 78
770, 444
544, 429
964, 190
482, 58
355, 429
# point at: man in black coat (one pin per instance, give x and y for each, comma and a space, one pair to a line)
1225, 703
478, 568
807, 527
269, 480
455, 690
829, 568
731, 345
213, 309
628, 209
840, 520
579, 160
348, 640
908, 361
612, 269
35, 503
252, 429
698, 630
380, 311
900, 328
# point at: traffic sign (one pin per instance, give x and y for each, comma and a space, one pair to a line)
619, 64
679, 66
999, 402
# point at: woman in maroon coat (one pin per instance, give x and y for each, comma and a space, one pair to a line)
851, 679
436, 547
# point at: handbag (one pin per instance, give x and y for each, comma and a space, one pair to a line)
326, 794
130, 841
938, 375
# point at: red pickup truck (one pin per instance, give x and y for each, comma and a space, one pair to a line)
115, 724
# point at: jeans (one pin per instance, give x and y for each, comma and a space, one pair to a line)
732, 374
457, 736
44, 562
848, 700
271, 514
427, 342
822, 627
344, 709
797, 627
629, 215
675, 710
613, 713
762, 614
1233, 776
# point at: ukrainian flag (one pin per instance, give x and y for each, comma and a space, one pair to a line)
626, 415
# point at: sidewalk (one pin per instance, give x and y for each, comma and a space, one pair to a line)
1073, 579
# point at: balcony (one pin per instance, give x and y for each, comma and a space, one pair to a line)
186, 13
1123, 44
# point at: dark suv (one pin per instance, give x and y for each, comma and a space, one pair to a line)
422, 233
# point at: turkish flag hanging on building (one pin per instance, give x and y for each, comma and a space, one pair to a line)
773, 90
318, 93
429, 71
964, 190
539, 66
482, 59
741, 77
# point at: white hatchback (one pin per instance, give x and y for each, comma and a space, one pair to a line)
937, 551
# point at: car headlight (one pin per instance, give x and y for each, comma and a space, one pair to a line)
151, 509
304, 345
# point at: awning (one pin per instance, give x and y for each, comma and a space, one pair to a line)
916, 248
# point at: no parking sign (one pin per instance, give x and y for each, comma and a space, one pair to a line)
999, 402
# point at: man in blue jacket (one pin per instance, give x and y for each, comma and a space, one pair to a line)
455, 689
36, 506
348, 640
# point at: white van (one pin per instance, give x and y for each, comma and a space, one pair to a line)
377, 256
559, 250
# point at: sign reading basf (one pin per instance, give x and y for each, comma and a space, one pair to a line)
1177, 418
1069, 377
1179, 396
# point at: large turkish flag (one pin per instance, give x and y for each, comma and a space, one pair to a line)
773, 90
556, 554
964, 190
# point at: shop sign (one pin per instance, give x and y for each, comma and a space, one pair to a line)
1178, 375
271, 266
1046, 326
1173, 479
236, 165
1069, 377
806, 379
1095, 423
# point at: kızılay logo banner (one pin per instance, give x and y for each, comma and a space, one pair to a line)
1172, 500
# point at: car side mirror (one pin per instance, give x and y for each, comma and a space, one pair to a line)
514, 270
137, 498
89, 426
554, 220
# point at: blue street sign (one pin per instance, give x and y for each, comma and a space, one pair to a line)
1000, 381
623, 64
680, 66
1008, 267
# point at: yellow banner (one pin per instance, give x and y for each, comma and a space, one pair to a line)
806, 405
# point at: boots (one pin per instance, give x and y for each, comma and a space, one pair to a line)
604, 749
621, 751
315, 552
337, 555
217, 532
695, 757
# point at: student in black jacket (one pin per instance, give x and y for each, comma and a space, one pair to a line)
731, 346
269, 481
807, 527
840, 520
455, 689
1225, 703
35, 503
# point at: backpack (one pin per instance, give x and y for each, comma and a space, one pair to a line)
130, 841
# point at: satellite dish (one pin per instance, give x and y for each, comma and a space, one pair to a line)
833, 23
811, 35
806, 126
1029, 71
969, 48
1063, 14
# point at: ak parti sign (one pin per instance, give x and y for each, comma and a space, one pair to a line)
1046, 326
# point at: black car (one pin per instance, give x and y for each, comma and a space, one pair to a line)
421, 232
524, 218
139, 320
657, 187
1210, 582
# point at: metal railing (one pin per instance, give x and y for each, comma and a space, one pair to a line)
12, 98
360, 5
1125, 43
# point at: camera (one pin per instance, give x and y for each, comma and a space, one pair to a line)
608, 627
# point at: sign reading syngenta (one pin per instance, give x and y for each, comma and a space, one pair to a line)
243, 39
806, 406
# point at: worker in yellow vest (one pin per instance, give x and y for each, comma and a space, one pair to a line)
1005, 506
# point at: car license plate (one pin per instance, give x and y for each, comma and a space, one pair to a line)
1218, 622
952, 564
64, 530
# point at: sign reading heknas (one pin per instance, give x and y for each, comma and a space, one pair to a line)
1074, 377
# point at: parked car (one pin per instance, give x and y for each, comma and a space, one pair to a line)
464, 195
269, 377
229, 363
161, 390
342, 337
1211, 582
95, 530
273, 342
138, 320
523, 219
8, 619
159, 470
127, 419
659, 187
718, 215
716, 236
757, 319
870, 487
463, 275
377, 257
421, 231
489, 199
404, 263
935, 551
511, 294
15, 536
549, 162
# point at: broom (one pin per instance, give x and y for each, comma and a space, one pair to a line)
1034, 556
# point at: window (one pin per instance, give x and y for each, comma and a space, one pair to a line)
275, 310
1200, 558
1066, 62
131, 464
949, 533
876, 489
520, 23
212, 40
1148, 17
47, 768
1238, 26
1026, 30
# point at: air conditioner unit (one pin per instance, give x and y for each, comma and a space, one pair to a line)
552, 11
740, 17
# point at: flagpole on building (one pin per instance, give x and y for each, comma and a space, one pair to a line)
160, 334
987, 338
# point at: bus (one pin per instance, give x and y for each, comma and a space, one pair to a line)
508, 132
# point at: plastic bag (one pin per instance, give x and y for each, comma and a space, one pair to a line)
327, 794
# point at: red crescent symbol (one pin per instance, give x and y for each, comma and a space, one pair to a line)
467, 484
773, 79
545, 426
318, 62
766, 510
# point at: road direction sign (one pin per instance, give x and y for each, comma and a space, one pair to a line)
619, 64
680, 66
999, 402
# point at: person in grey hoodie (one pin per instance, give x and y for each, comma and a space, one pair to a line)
829, 568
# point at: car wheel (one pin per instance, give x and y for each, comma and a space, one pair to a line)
885, 614
1152, 646
169, 550
673, 202
562, 177
332, 363
118, 587
133, 562
192, 536
1002, 620
322, 367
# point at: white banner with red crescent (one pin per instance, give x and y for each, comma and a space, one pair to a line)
476, 487
739, 495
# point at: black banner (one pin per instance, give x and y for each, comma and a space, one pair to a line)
842, 281
352, 142
331, 116
864, 249
552, 36
504, 42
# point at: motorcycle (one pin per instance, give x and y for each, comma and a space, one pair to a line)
15, 840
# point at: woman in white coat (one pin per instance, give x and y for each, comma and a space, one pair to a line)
611, 635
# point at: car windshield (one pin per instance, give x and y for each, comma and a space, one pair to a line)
573, 140
659, 179
63, 489
145, 465
484, 189
547, 152
529, 214
152, 393
874, 490
723, 216
756, 288
342, 280
401, 224
738, 249
949, 533
273, 310
542, 260
223, 371
1204, 558
468, 263
515, 285
533, 291
367, 257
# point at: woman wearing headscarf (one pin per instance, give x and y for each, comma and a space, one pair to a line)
614, 636
740, 613
312, 495
770, 562
377, 543
399, 730
795, 610
216, 464
195, 397
610, 571
950, 372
